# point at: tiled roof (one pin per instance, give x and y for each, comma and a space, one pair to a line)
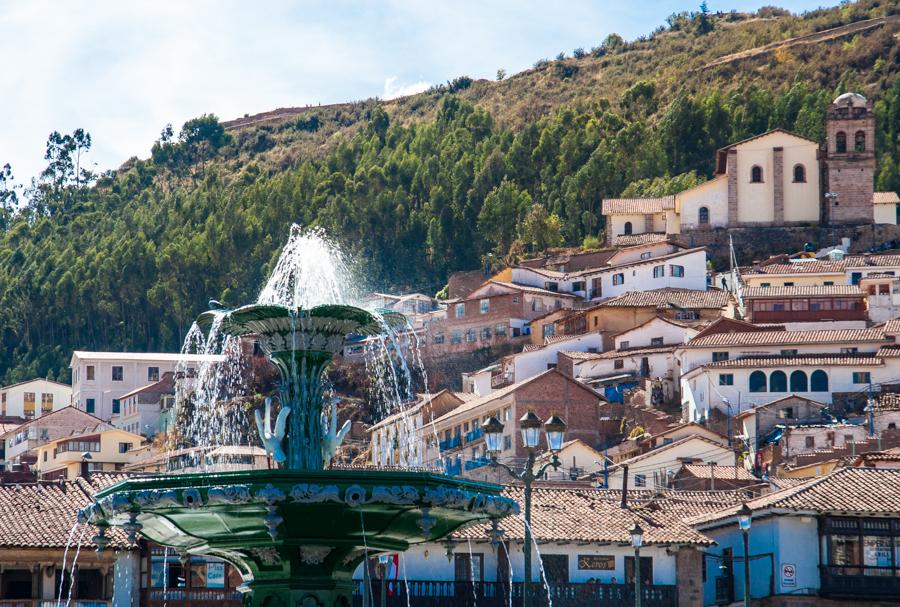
42, 514
869, 261
665, 448
888, 352
669, 298
36, 379
730, 473
811, 266
590, 515
865, 360
802, 291
892, 326
630, 240
847, 490
885, 197
888, 455
90, 421
530, 289
638, 206
613, 354
777, 338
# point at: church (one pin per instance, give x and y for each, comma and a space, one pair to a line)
774, 179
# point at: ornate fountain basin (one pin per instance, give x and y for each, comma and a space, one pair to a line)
295, 535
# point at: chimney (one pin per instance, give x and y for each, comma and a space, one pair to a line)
624, 485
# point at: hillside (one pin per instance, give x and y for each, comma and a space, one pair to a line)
420, 186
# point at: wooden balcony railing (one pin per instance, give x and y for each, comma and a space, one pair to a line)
497, 594
852, 582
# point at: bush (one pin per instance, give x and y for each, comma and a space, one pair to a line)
459, 84
590, 242
579, 53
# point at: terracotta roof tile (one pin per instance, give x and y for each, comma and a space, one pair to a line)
669, 298
591, 515
846, 490
811, 266
731, 473
877, 261
798, 360
885, 197
630, 240
801, 291
638, 206
777, 338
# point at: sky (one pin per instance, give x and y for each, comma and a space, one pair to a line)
122, 70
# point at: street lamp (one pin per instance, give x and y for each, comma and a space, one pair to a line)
530, 426
637, 540
745, 517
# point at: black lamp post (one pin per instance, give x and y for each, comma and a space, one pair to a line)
530, 426
637, 540
745, 517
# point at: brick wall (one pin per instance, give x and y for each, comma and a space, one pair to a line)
502, 309
850, 174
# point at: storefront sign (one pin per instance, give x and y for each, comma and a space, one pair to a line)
215, 575
596, 562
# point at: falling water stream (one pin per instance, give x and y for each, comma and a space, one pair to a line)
472, 573
540, 561
62, 577
84, 528
509, 562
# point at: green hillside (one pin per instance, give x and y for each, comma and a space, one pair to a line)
417, 187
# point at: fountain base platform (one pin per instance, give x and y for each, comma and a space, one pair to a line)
296, 536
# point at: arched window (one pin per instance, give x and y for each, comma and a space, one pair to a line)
859, 141
840, 142
777, 382
799, 173
818, 381
756, 174
627, 227
799, 382
703, 216
757, 381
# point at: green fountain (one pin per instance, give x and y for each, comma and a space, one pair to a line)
298, 532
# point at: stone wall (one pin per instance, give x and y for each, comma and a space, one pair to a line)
689, 571
758, 243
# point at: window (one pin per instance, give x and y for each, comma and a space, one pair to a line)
89, 405
756, 174
647, 255
859, 141
686, 315
726, 379
659, 271
623, 345
703, 216
626, 229
798, 382
778, 382
855, 277
485, 333
579, 285
460, 310
117, 407
789, 352
818, 381
810, 442
656, 341
90, 373
677, 271
29, 401
484, 306
152, 373
552, 286
765, 284
640, 480
789, 284
46, 403
456, 337
124, 447
548, 329
117, 373
618, 364
439, 338
719, 356
618, 279
862, 377
757, 381
500, 330
470, 335
799, 173
786, 413
828, 283
840, 142
849, 350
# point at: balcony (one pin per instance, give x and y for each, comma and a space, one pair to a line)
501, 380
474, 464
853, 582
499, 594
450, 443
452, 469
474, 434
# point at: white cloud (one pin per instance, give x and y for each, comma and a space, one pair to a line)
393, 88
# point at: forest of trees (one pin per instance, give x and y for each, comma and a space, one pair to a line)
127, 259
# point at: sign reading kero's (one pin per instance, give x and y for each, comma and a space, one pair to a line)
788, 575
596, 562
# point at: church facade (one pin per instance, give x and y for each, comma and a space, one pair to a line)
774, 179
